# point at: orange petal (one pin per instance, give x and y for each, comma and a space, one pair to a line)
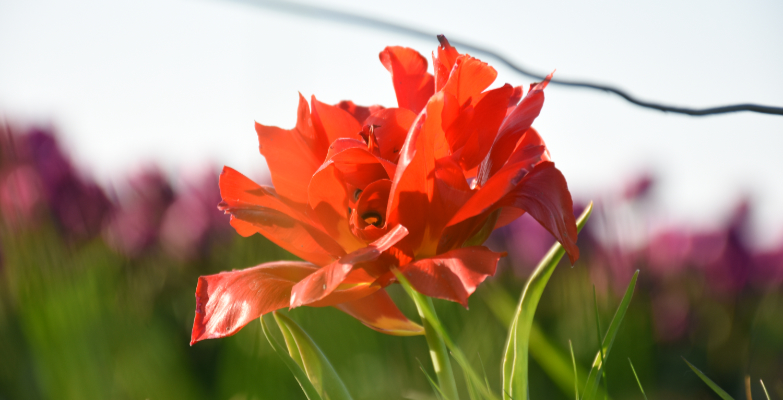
372, 203
444, 62
323, 282
379, 312
391, 126
293, 155
257, 209
469, 77
360, 113
227, 301
454, 275
333, 122
514, 126
478, 133
413, 186
544, 194
412, 83
329, 198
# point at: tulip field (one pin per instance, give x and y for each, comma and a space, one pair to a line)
429, 249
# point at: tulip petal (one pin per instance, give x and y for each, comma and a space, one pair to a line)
544, 194
333, 122
227, 301
372, 203
324, 281
454, 275
293, 155
469, 77
478, 134
412, 83
360, 113
257, 209
413, 186
335, 187
379, 312
444, 62
514, 126
391, 126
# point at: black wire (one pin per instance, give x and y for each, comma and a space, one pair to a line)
334, 15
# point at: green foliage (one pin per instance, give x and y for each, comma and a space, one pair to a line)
425, 307
296, 367
765, 389
515, 360
715, 388
637, 379
311, 359
594, 378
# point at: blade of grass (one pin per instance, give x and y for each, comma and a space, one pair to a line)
553, 361
715, 388
576, 377
317, 367
486, 380
429, 312
299, 374
435, 387
637, 379
472, 392
594, 377
765, 389
515, 357
598, 338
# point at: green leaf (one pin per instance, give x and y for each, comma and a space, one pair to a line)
637, 379
598, 338
299, 374
315, 364
576, 376
424, 305
553, 361
765, 389
435, 387
715, 388
594, 378
515, 359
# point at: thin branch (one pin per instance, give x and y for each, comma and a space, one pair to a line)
378, 24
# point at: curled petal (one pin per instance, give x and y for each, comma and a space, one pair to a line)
469, 77
444, 62
412, 83
330, 199
454, 275
379, 312
333, 122
227, 301
368, 220
324, 281
390, 127
474, 137
293, 155
257, 209
413, 186
360, 113
544, 194
335, 187
513, 127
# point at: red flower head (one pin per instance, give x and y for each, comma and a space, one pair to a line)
359, 191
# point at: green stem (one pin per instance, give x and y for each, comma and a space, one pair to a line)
438, 352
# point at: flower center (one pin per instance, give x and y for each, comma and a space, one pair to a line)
373, 218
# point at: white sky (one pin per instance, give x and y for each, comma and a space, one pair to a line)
180, 82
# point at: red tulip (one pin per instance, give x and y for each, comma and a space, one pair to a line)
359, 191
